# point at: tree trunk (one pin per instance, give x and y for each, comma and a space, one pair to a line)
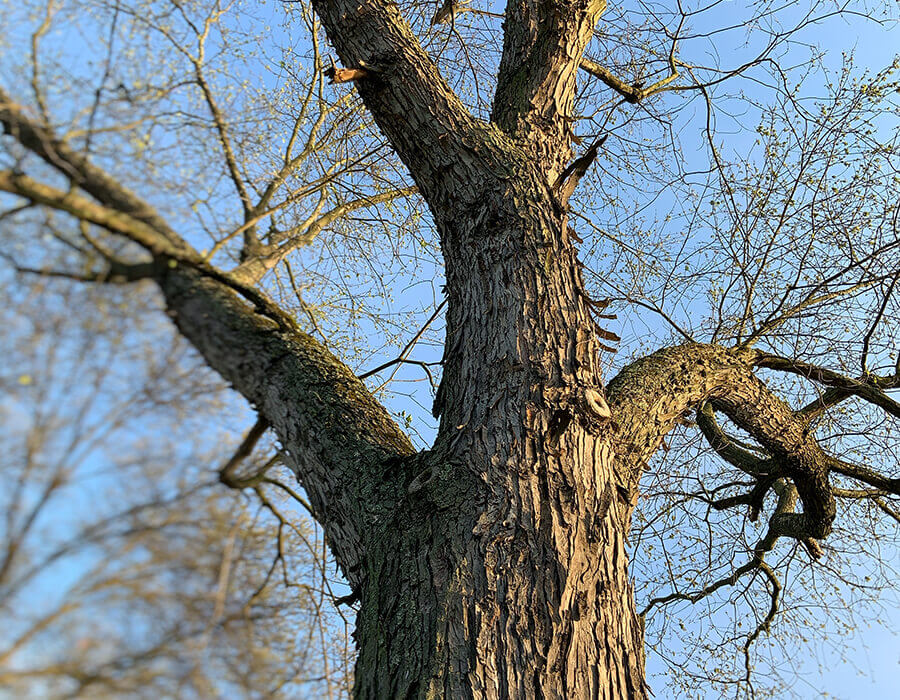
494, 565
503, 571
510, 591
505, 590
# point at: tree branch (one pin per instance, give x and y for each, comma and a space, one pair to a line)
649, 396
726, 447
787, 501
137, 230
427, 124
633, 94
114, 274
871, 388
543, 46
228, 475
253, 269
41, 141
336, 436
866, 475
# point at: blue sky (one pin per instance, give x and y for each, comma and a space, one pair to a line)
875, 650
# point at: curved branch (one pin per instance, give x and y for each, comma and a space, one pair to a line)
764, 471
649, 396
726, 447
228, 472
766, 622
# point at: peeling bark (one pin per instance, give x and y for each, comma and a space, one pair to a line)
505, 575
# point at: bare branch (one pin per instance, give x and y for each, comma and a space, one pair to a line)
227, 473
83, 209
866, 475
870, 388
252, 270
633, 94
406, 348
77, 168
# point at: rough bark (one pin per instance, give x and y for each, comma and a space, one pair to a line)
336, 436
543, 46
504, 575
513, 550
652, 394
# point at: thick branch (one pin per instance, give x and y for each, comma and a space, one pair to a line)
335, 435
785, 436
726, 448
429, 127
542, 49
649, 395
866, 475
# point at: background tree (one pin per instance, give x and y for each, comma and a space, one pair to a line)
127, 570
494, 562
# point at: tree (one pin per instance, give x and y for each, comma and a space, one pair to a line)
126, 569
494, 563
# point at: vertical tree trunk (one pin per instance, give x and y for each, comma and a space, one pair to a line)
503, 572
486, 593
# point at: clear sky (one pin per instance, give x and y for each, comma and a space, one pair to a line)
874, 650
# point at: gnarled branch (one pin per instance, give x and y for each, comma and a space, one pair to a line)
650, 395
